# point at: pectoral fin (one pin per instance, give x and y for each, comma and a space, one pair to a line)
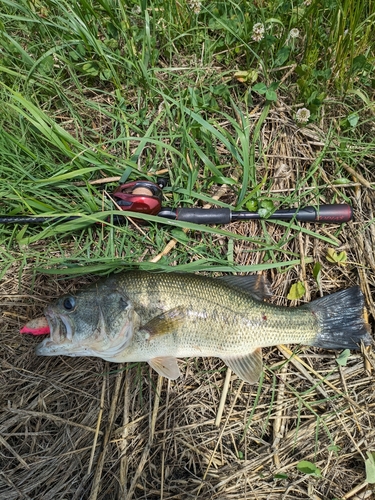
166, 366
246, 366
165, 323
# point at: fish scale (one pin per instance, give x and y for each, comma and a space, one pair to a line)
220, 320
159, 317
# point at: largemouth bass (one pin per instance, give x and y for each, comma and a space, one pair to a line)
141, 316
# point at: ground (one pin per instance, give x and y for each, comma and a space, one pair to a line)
84, 428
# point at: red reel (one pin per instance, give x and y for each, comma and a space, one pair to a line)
139, 196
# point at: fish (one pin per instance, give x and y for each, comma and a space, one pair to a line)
140, 316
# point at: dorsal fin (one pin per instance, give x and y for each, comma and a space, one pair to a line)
255, 285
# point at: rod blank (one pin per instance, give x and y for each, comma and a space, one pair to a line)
334, 214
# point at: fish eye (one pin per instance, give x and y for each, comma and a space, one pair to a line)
69, 303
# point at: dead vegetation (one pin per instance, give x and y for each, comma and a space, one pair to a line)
86, 429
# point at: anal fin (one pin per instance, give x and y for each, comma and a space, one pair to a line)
247, 366
166, 367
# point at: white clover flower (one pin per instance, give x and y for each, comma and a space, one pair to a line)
294, 33
302, 115
195, 5
307, 3
258, 32
258, 28
257, 37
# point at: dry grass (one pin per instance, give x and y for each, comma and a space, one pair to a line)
84, 429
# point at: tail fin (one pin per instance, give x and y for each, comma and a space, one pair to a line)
341, 319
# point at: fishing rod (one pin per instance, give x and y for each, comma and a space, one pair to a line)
145, 197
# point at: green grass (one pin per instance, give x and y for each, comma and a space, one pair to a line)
91, 89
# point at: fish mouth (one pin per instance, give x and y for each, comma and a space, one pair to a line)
60, 338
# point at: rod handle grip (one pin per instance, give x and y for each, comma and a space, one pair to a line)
204, 215
335, 213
